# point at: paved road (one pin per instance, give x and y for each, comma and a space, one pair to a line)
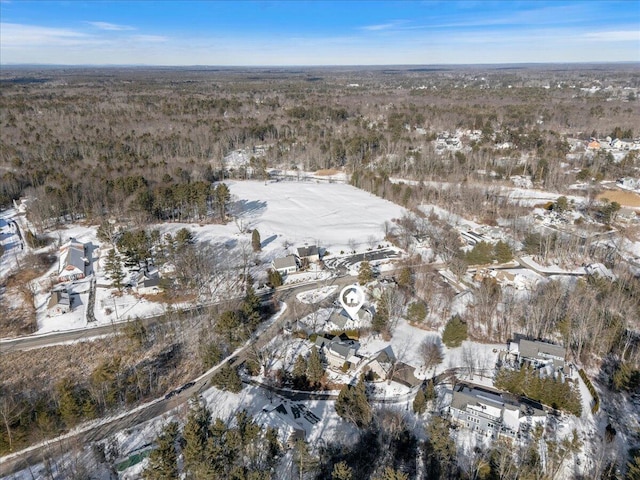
56, 338
109, 426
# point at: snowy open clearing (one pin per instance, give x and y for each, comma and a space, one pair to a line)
329, 214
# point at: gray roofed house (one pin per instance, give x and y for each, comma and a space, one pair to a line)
541, 353
337, 352
59, 303
310, 253
404, 374
148, 282
72, 261
493, 413
285, 265
341, 319
382, 364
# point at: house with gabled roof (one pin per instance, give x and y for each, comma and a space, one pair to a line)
73, 260
309, 254
493, 413
59, 303
147, 282
285, 265
382, 363
338, 352
539, 353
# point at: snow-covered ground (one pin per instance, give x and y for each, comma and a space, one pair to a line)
316, 295
314, 213
10, 240
287, 214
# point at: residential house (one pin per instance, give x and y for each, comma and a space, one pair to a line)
73, 259
493, 413
382, 364
147, 283
285, 265
309, 254
539, 353
338, 352
341, 320
593, 144
629, 183
59, 303
404, 374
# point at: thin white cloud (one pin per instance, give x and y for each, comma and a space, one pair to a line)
150, 38
382, 26
614, 36
110, 26
19, 35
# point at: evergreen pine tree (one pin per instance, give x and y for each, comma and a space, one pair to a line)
274, 278
633, 467
430, 391
455, 332
163, 463
352, 404
365, 273
113, 269
195, 435
304, 460
391, 474
255, 240
419, 403
227, 379
315, 370
503, 252
300, 373
342, 471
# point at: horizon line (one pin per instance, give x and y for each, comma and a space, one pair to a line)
150, 65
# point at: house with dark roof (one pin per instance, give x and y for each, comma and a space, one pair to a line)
147, 282
383, 363
285, 265
338, 352
309, 254
538, 353
73, 260
60, 302
493, 413
404, 374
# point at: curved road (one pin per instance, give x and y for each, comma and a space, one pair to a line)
95, 431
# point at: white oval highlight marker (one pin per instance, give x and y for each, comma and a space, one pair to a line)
352, 298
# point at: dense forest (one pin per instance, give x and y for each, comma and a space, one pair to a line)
126, 149
149, 141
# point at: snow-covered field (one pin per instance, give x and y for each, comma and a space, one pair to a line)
327, 214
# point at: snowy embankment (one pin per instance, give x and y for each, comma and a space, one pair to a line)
316, 295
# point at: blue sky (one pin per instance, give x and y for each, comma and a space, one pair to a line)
317, 32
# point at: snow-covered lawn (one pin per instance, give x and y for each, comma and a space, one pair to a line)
316, 295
